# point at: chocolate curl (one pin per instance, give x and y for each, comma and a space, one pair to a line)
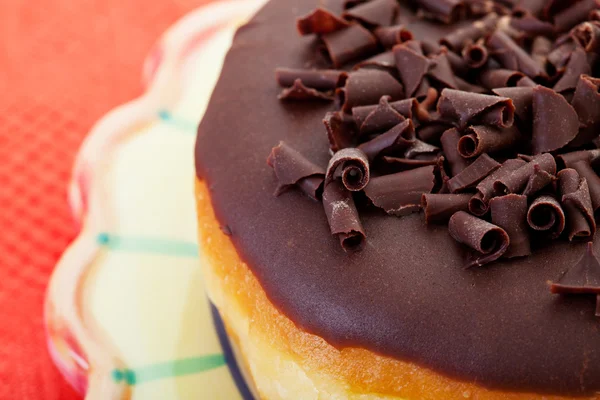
463, 107
594, 15
400, 194
479, 203
509, 213
578, 65
582, 278
420, 150
473, 174
499, 78
440, 207
293, 169
342, 216
352, 165
561, 54
373, 13
585, 171
445, 11
586, 102
382, 118
526, 82
341, 130
326, 79
569, 159
571, 16
489, 240
531, 26
300, 92
487, 139
385, 61
441, 71
449, 142
517, 180
349, 44
534, 7
406, 108
577, 204
320, 21
389, 36
555, 122
412, 66
397, 138
469, 87
537, 181
458, 64
522, 98
402, 164
546, 215
366, 87
458, 38
475, 55
477, 8
512, 56
587, 35
540, 48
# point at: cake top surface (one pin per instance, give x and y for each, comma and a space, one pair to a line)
406, 293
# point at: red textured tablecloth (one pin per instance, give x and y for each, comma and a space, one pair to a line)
63, 64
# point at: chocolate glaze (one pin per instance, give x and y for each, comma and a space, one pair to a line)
406, 294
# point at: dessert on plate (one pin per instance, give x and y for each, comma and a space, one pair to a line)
396, 200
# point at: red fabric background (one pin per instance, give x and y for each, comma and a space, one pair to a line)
63, 64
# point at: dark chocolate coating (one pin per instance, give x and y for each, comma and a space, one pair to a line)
406, 294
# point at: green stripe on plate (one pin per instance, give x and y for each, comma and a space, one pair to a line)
186, 366
148, 244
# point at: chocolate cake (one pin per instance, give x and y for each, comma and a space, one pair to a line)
416, 180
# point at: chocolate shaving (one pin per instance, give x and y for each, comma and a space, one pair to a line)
380, 119
499, 78
487, 139
352, 165
441, 71
540, 48
397, 138
509, 213
412, 66
555, 122
512, 56
469, 87
341, 130
473, 174
405, 108
300, 92
445, 11
464, 108
479, 203
449, 142
320, 21
577, 204
373, 13
526, 82
389, 36
458, 64
420, 150
561, 54
400, 163
432, 132
578, 65
489, 240
546, 215
400, 194
316, 79
538, 181
349, 44
522, 98
458, 38
292, 168
385, 61
342, 216
517, 180
586, 102
440, 207
366, 87
571, 16
582, 278
585, 171
475, 55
